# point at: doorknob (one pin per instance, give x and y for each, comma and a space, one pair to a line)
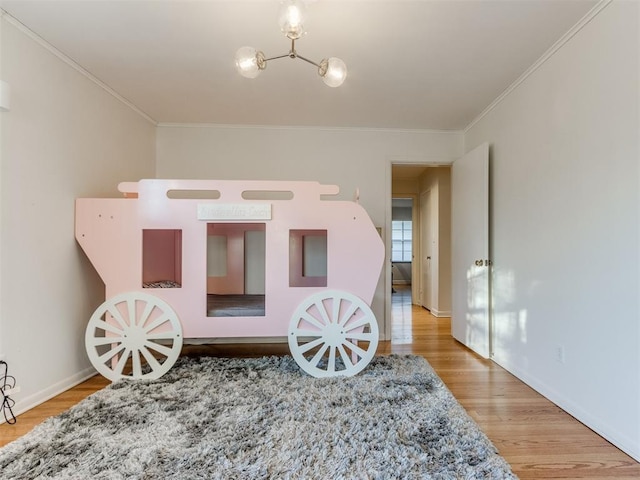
480, 263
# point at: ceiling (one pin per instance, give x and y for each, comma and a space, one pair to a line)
406, 172
433, 64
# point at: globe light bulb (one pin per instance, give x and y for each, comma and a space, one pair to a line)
333, 71
291, 18
248, 62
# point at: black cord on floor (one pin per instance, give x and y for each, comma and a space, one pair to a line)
7, 382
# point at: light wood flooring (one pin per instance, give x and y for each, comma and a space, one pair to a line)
537, 438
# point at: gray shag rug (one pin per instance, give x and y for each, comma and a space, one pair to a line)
217, 418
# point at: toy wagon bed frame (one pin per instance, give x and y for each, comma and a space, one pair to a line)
182, 258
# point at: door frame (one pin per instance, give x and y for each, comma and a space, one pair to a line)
416, 244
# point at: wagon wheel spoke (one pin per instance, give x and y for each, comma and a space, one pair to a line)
308, 333
358, 323
137, 366
151, 360
117, 316
316, 358
343, 355
156, 323
331, 364
146, 314
131, 311
122, 361
364, 336
311, 345
335, 314
107, 327
166, 351
323, 312
354, 348
348, 314
307, 317
105, 357
100, 324
99, 341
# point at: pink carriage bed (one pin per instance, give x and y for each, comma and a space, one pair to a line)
224, 259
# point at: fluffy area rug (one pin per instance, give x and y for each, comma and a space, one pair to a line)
213, 418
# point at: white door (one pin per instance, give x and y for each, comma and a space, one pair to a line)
426, 244
470, 265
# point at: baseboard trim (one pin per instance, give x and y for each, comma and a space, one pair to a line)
621, 441
225, 341
48, 393
243, 340
440, 313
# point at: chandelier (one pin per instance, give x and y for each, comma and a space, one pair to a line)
250, 62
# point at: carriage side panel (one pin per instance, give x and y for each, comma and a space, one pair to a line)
105, 229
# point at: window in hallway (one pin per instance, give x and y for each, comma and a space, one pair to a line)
401, 235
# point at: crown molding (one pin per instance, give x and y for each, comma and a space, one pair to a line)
70, 62
538, 63
308, 127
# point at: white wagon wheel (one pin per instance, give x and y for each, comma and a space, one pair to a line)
333, 333
133, 335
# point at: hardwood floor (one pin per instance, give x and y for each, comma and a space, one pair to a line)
538, 439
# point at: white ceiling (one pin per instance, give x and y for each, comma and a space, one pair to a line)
412, 64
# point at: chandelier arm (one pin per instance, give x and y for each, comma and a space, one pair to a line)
276, 58
307, 60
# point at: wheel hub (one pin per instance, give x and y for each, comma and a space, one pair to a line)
133, 337
334, 334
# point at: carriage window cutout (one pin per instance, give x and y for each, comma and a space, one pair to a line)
161, 258
236, 258
193, 194
307, 258
267, 195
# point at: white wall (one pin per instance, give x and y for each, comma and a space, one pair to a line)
566, 218
64, 137
349, 158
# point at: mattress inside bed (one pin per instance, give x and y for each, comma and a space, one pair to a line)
235, 305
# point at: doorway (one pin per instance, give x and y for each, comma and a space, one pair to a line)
428, 187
